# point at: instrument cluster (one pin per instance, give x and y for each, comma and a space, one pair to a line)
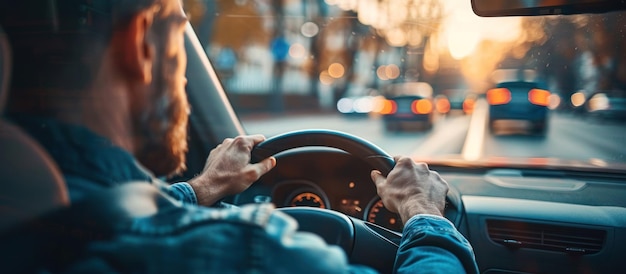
359, 204
324, 179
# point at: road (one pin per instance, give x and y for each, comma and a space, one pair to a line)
568, 137
371, 129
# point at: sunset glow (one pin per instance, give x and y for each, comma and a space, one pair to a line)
463, 30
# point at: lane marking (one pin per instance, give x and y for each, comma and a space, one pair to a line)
442, 137
475, 140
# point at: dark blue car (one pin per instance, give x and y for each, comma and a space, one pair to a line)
408, 105
522, 101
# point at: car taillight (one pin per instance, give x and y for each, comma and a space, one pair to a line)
388, 107
539, 97
498, 96
468, 106
422, 106
442, 105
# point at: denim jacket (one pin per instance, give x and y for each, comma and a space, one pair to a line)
181, 237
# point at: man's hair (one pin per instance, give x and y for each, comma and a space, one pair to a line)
58, 44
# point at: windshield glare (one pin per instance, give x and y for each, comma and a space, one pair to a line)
545, 89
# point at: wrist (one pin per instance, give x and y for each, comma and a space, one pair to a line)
204, 193
411, 209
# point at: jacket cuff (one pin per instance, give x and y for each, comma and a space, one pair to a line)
183, 192
426, 234
435, 218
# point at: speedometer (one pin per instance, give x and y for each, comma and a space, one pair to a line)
307, 199
378, 214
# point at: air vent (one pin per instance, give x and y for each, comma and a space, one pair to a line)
566, 239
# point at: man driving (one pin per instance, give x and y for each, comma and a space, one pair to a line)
101, 85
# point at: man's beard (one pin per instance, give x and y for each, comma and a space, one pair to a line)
162, 128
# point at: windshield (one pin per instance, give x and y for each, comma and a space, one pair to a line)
543, 90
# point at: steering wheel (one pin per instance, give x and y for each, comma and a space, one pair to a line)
364, 243
359, 147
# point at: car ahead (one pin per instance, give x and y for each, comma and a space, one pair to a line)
520, 101
607, 105
460, 103
408, 106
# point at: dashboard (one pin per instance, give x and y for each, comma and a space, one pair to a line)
518, 221
339, 182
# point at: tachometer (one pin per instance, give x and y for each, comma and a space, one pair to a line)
378, 214
307, 199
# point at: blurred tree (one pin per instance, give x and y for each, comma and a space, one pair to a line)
608, 42
242, 26
570, 53
568, 39
200, 13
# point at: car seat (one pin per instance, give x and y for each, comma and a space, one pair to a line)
32, 184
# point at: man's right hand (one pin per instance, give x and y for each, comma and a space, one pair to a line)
228, 170
411, 189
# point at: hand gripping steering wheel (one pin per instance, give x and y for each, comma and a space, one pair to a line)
364, 243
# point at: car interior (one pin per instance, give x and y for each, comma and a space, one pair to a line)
518, 218
33, 183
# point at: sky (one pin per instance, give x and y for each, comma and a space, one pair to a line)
462, 30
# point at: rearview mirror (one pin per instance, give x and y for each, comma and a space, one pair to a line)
490, 8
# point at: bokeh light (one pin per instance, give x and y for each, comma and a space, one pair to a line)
381, 72
309, 29
578, 99
555, 101
364, 104
396, 38
344, 105
392, 71
336, 70
325, 78
297, 51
